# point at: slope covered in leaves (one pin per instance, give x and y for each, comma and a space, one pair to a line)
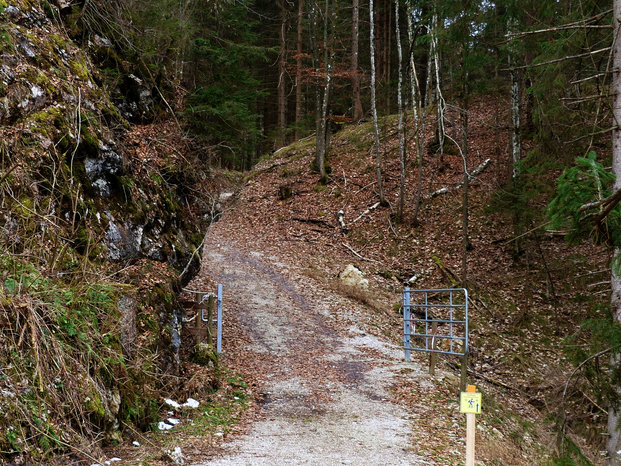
537, 303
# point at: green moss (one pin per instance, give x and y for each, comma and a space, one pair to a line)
94, 405
50, 122
25, 207
78, 68
89, 143
6, 42
59, 41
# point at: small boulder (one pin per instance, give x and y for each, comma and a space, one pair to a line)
175, 456
352, 276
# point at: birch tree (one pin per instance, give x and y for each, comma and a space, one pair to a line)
400, 127
298, 71
378, 153
281, 88
355, 77
419, 119
614, 413
516, 138
434, 56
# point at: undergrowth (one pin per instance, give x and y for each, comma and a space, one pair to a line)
64, 377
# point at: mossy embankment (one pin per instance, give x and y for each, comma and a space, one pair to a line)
97, 219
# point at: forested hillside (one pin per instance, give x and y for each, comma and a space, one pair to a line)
434, 143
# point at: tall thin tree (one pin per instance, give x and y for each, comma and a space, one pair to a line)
614, 413
355, 76
378, 153
299, 112
282, 70
419, 118
400, 127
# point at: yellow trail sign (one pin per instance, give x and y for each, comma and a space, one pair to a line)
470, 403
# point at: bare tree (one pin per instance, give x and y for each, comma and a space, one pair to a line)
400, 128
322, 113
298, 71
434, 55
614, 413
378, 153
516, 139
355, 77
419, 118
282, 69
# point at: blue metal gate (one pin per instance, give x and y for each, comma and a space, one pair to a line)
435, 321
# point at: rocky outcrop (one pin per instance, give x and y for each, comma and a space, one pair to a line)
92, 222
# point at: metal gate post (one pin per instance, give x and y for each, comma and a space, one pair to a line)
219, 323
406, 323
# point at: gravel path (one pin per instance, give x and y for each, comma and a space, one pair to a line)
324, 385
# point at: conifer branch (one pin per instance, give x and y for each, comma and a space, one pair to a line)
557, 60
575, 25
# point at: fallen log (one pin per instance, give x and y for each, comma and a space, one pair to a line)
373, 207
473, 174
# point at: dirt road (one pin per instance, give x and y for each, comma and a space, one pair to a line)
324, 383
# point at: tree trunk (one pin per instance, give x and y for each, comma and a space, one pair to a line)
614, 416
282, 97
402, 148
419, 122
298, 75
388, 54
465, 213
516, 134
378, 153
319, 140
441, 104
355, 77
322, 146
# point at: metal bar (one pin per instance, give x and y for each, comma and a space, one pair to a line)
446, 337
437, 290
438, 305
406, 323
219, 321
451, 316
466, 317
426, 319
439, 321
437, 351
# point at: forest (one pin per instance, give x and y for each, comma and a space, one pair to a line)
450, 143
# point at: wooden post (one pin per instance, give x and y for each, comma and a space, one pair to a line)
470, 438
433, 357
470, 431
211, 302
464, 373
199, 320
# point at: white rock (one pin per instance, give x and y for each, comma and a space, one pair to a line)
176, 456
172, 403
191, 403
163, 426
352, 276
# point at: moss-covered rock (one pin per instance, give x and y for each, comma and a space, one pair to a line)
82, 210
